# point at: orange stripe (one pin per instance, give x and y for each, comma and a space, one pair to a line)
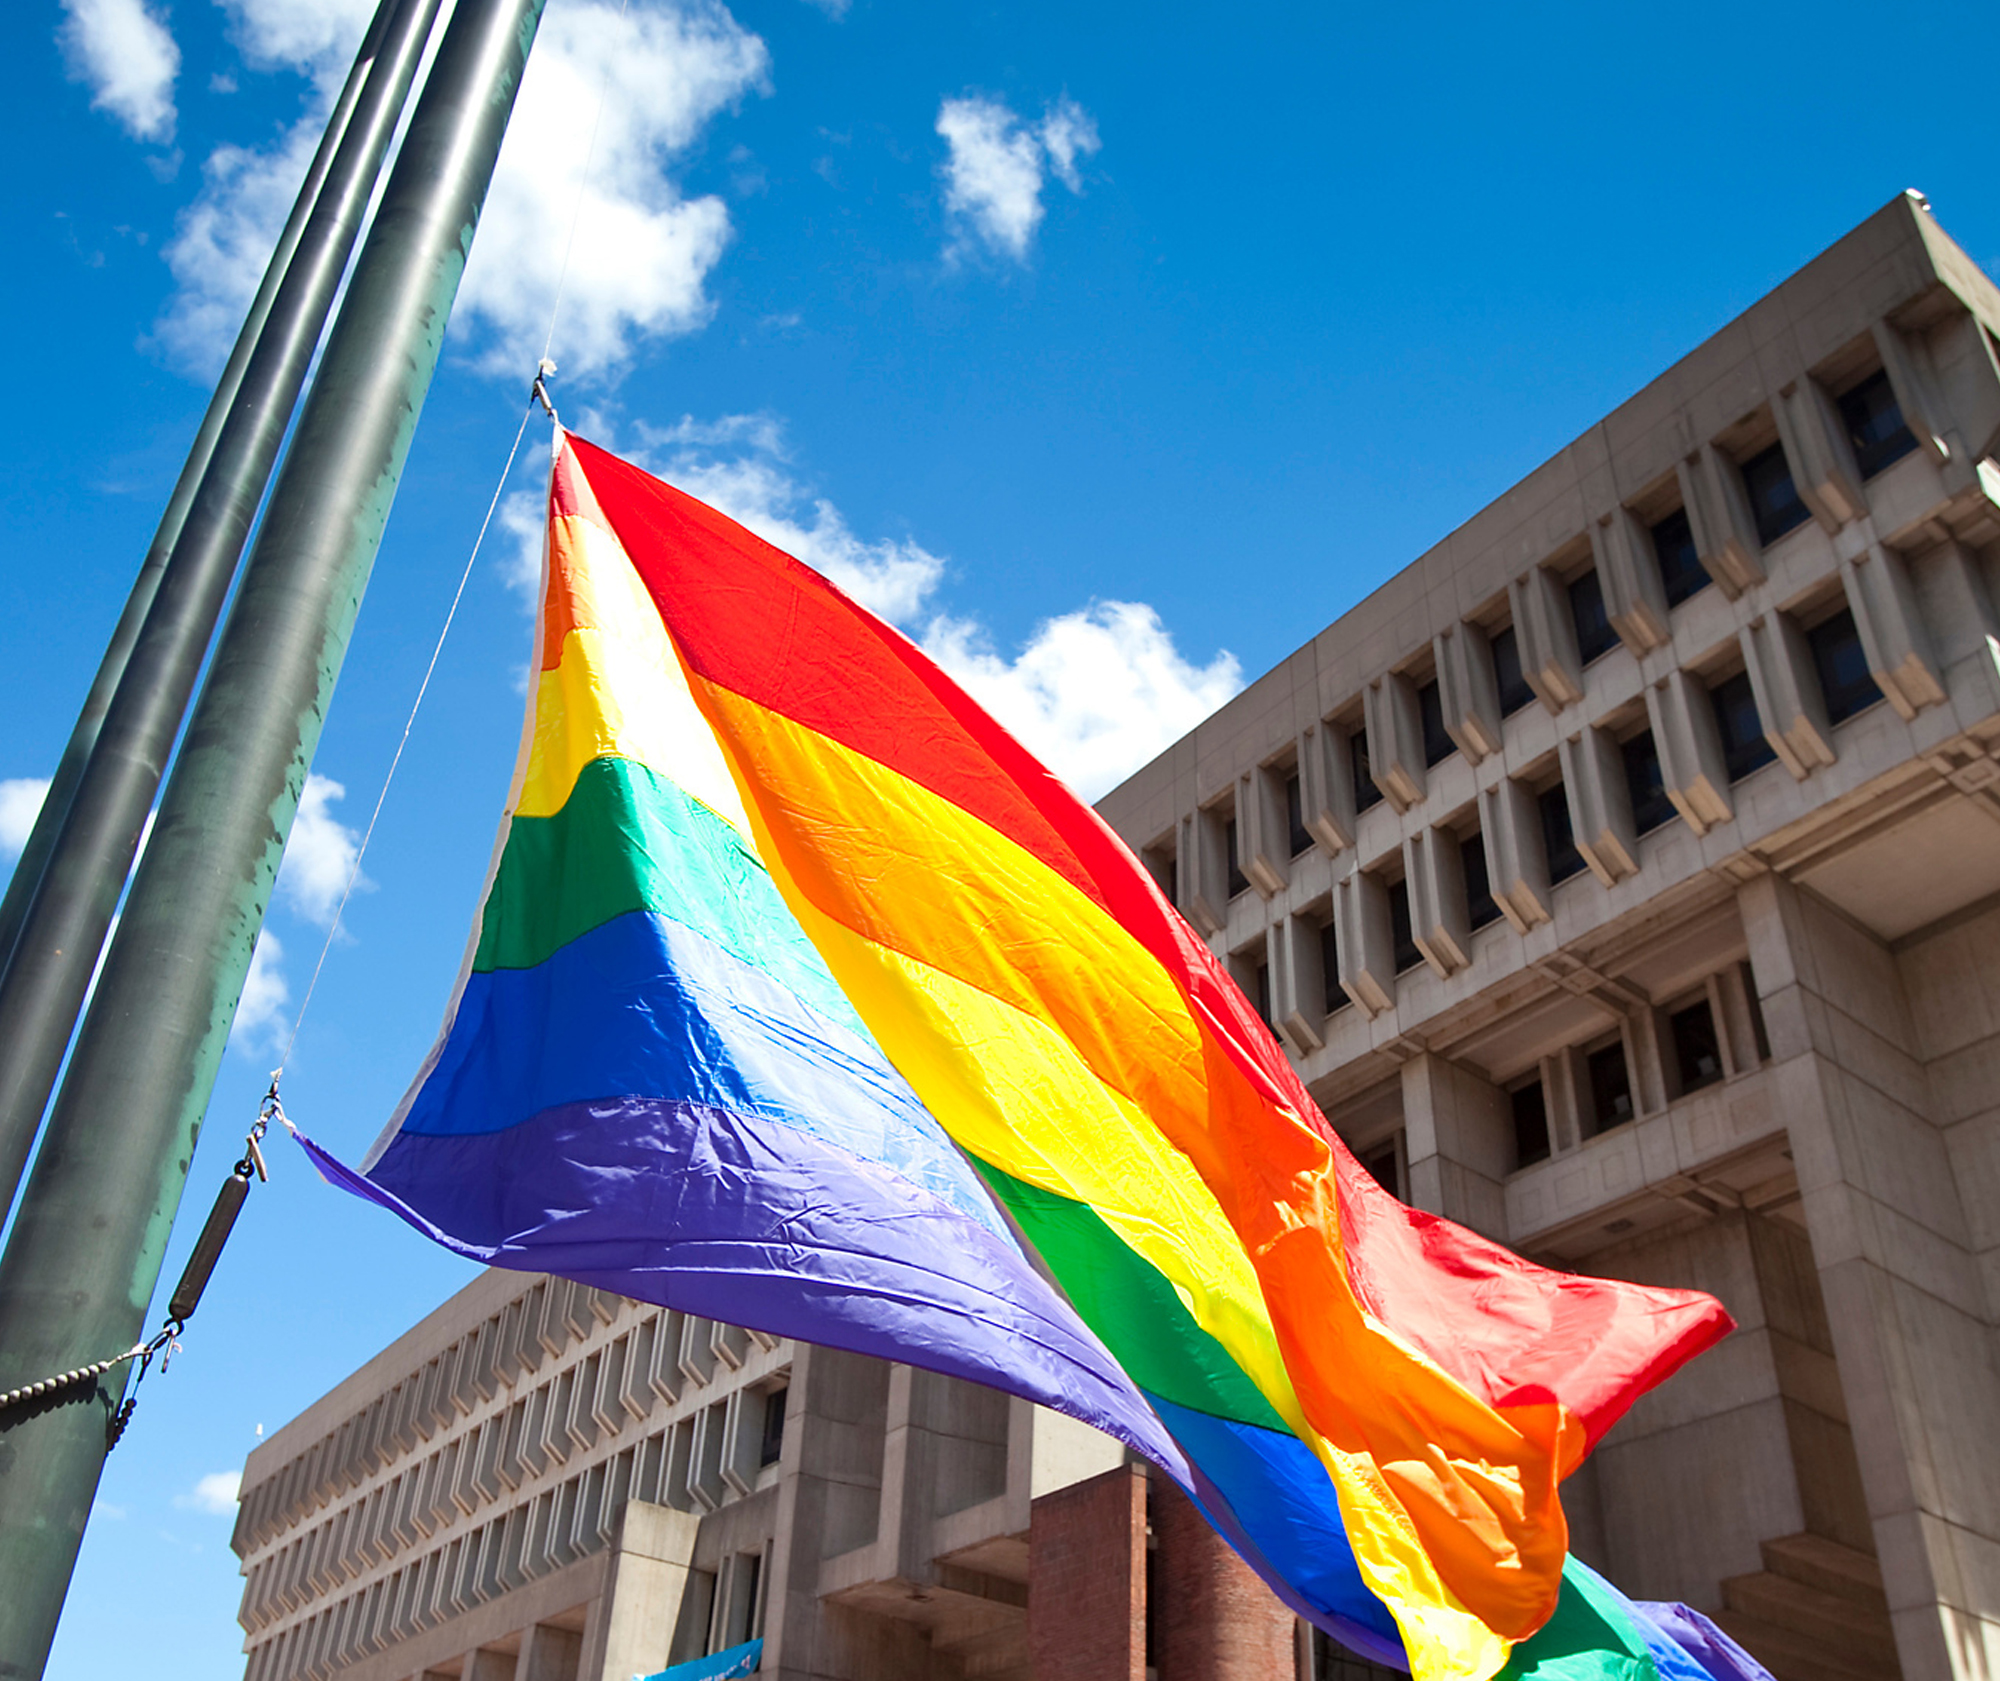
915, 874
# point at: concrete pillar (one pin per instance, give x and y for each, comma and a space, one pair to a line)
1788, 694
1892, 629
646, 1573
1468, 691
1600, 804
1326, 787
549, 1654
830, 1490
1087, 1579
1213, 1620
1909, 1316
1458, 1142
1633, 597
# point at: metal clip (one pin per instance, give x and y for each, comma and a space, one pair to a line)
539, 391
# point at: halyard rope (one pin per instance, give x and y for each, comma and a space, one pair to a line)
368, 834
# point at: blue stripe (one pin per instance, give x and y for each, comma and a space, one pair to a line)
645, 1007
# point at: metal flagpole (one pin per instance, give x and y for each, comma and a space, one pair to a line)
87, 1242
76, 894
69, 770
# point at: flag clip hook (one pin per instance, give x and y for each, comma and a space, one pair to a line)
539, 391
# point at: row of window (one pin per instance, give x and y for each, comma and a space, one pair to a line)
1846, 686
1691, 1050
1878, 436
1693, 1055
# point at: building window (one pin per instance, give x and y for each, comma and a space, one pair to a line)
772, 1443
1875, 424
1610, 1087
1480, 905
1645, 782
1681, 571
1260, 992
1238, 881
1402, 944
1774, 499
1295, 815
1514, 689
1159, 862
1594, 635
1744, 748
743, 1621
1365, 791
1531, 1124
1329, 967
1842, 663
1557, 835
1383, 1164
1696, 1050
1437, 739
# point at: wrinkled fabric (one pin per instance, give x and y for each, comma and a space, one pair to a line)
803, 998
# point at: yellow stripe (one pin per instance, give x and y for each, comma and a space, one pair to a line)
618, 690
910, 870
957, 1045
975, 1037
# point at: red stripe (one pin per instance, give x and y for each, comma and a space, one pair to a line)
752, 619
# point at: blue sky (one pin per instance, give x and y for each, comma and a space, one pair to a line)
1113, 351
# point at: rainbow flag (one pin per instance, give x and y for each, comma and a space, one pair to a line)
798, 981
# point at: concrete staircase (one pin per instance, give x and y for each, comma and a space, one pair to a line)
1815, 1612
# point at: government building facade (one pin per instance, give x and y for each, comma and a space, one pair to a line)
1623, 877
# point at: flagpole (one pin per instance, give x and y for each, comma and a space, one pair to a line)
41, 840
87, 1243
95, 823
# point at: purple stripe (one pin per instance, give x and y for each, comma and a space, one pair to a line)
1713, 1650
746, 1220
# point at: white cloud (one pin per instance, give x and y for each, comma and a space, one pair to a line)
126, 55
1094, 694
260, 1011
995, 167
1068, 132
224, 240
20, 804
215, 1493
641, 253
320, 855
315, 37
523, 524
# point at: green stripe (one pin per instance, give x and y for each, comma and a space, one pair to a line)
1131, 1306
1590, 1638
629, 840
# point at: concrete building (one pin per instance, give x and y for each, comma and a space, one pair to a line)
545, 1482
1624, 877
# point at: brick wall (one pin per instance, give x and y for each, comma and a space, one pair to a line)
1087, 1580
1215, 1620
